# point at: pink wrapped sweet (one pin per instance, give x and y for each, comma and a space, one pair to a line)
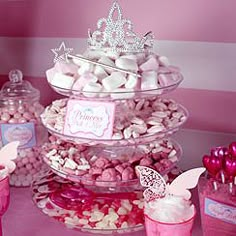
20, 121
168, 209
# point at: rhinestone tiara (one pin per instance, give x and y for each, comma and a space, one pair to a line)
116, 34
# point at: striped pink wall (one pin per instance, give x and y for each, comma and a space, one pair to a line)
191, 20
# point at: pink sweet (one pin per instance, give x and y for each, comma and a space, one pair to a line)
112, 211
109, 175
150, 65
146, 161
128, 174
101, 162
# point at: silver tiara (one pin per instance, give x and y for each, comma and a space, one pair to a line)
116, 34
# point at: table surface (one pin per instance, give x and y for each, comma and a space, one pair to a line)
23, 218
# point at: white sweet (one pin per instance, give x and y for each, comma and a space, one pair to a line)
149, 80
70, 164
170, 209
114, 81
127, 64
85, 68
62, 81
132, 82
50, 74
107, 61
92, 87
100, 72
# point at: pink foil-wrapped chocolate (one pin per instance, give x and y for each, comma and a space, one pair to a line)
20, 112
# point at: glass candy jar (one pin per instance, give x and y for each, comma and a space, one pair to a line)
20, 112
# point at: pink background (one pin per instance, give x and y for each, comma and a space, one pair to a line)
191, 20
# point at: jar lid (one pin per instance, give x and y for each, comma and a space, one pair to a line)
18, 89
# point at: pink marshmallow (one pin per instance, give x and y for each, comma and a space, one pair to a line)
150, 65
165, 79
66, 68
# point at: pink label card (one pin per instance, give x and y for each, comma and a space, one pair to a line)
89, 119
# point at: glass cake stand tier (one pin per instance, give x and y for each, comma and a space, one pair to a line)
122, 94
135, 122
110, 167
85, 210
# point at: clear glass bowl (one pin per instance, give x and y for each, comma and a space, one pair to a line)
54, 116
85, 210
111, 167
119, 95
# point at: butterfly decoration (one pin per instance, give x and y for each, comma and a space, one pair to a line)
7, 154
156, 186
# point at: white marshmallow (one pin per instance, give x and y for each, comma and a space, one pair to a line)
114, 81
85, 68
70, 164
92, 87
50, 74
62, 81
107, 61
132, 82
100, 72
127, 64
149, 80
83, 80
66, 68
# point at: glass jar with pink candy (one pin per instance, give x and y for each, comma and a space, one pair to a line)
20, 121
112, 119
217, 192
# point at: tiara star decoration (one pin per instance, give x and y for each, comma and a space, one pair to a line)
61, 53
116, 33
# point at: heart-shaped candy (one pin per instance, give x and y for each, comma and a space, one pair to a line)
232, 149
229, 166
212, 164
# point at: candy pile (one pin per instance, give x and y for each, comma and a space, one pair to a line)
221, 165
80, 208
94, 166
89, 80
23, 113
28, 165
140, 117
